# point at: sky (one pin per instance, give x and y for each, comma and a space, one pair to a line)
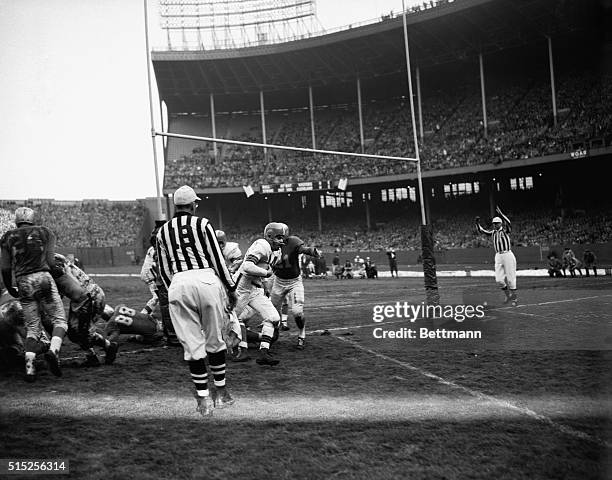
75, 120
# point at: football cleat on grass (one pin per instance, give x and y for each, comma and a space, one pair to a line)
222, 398
30, 370
52, 359
111, 353
284, 327
265, 358
300, 343
205, 406
241, 356
91, 360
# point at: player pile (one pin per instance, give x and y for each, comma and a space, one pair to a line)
33, 321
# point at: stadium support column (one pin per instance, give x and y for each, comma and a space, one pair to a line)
213, 124
219, 215
427, 245
367, 211
312, 122
418, 82
263, 123
319, 214
484, 98
360, 115
552, 80
269, 205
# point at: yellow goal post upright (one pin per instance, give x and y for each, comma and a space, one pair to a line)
429, 266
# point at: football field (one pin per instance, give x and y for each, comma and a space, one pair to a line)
531, 398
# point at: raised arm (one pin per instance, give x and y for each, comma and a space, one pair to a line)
503, 216
480, 229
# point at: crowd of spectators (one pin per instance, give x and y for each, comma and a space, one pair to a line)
541, 227
89, 223
520, 125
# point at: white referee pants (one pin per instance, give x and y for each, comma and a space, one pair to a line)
197, 310
505, 270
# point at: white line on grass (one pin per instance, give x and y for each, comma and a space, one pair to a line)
553, 301
483, 396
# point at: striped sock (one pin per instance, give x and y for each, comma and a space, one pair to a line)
217, 367
199, 376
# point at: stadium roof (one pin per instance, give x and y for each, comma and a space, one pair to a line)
447, 33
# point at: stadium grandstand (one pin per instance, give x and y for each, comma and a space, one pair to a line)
514, 107
100, 232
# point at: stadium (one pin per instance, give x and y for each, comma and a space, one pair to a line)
513, 109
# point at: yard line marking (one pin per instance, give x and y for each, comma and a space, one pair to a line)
483, 396
554, 301
335, 329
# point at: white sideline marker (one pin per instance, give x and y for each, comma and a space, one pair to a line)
483, 396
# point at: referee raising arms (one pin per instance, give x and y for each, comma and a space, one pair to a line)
199, 290
505, 261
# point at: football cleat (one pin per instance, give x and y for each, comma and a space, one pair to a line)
30, 370
222, 398
52, 359
111, 353
242, 356
205, 406
300, 343
265, 358
284, 327
514, 302
91, 360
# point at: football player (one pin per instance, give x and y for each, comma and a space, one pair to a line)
288, 283
231, 252
87, 302
234, 331
257, 265
128, 321
148, 274
13, 331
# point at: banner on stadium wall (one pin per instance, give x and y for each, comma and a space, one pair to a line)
297, 187
580, 153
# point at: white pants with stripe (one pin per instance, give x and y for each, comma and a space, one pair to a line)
293, 289
197, 309
505, 270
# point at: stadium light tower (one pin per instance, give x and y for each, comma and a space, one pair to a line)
220, 24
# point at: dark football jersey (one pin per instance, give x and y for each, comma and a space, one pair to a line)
289, 265
26, 248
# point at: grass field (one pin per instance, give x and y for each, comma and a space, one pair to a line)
531, 399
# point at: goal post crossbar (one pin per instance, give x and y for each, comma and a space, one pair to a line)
283, 147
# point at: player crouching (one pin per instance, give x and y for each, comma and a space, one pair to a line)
258, 262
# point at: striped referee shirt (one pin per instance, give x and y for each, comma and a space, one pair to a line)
501, 240
188, 242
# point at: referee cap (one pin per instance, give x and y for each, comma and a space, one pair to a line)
496, 220
185, 195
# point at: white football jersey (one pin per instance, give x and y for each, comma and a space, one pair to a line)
262, 255
233, 256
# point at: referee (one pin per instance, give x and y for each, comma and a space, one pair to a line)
505, 261
200, 288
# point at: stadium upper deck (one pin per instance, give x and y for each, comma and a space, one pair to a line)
446, 42
447, 33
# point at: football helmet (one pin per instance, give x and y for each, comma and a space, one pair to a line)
221, 238
24, 215
276, 233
